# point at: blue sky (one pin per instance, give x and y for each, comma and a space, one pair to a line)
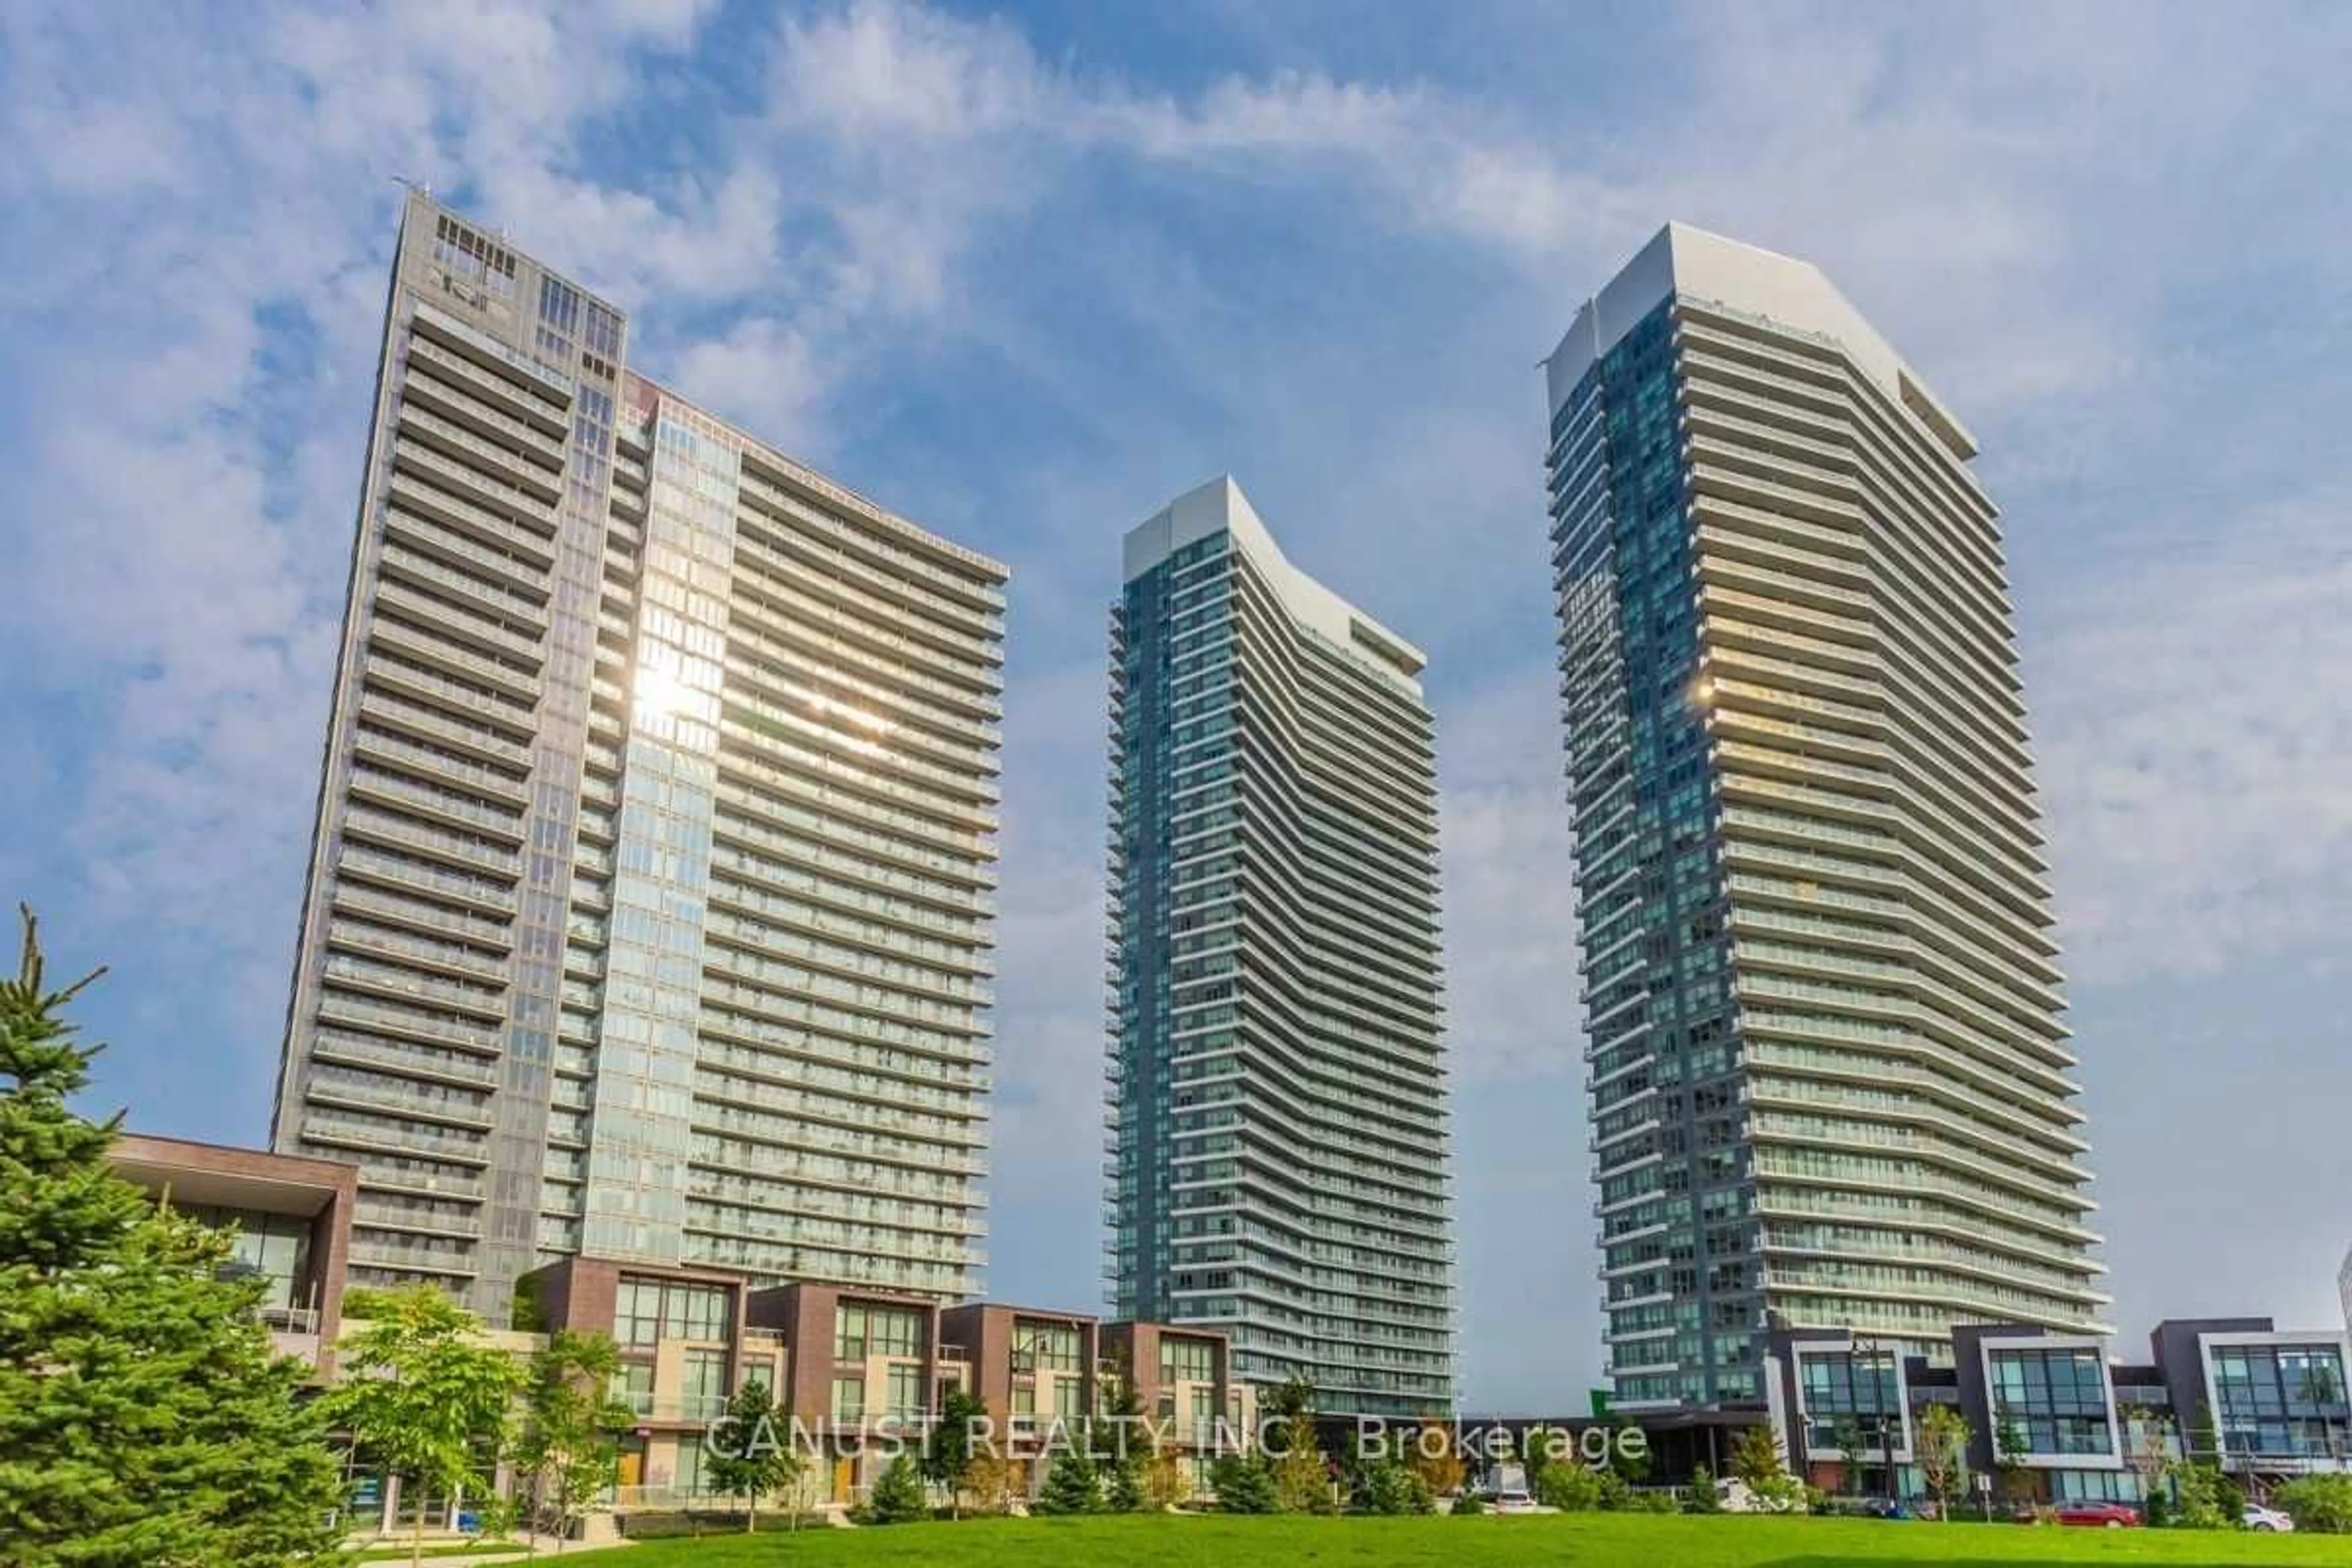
1023, 276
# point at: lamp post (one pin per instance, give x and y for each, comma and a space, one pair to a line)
1873, 1352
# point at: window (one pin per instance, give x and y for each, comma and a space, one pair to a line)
559, 305
1186, 1361
859, 1332
687, 1478
2282, 1400
636, 1312
602, 335
1045, 1347
646, 1311
275, 1245
694, 1313
2056, 1399
1846, 1392
849, 1399
633, 1385
704, 1385
466, 255
905, 1402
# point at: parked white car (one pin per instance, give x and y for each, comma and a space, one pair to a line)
2268, 1521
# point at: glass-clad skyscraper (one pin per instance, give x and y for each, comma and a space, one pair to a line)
650, 910
1278, 1081
1828, 1071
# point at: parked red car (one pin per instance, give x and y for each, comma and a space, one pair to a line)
2099, 1515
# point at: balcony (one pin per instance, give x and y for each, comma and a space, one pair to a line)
395, 870
529, 554
415, 718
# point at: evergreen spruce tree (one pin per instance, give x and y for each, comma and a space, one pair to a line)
749, 1452
948, 1446
1123, 1490
898, 1498
1244, 1484
144, 1419
1072, 1486
1122, 1448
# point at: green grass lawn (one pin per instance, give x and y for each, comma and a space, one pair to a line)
1600, 1541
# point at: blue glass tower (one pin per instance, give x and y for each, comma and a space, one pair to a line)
1277, 1083
1821, 999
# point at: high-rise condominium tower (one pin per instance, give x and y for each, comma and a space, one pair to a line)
1828, 1077
1278, 1081
649, 908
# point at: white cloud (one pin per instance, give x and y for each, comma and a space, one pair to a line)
880, 68
764, 374
2197, 747
1509, 885
193, 285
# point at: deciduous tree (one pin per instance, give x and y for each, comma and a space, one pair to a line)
1161, 1478
749, 1455
1756, 1459
1943, 1455
1432, 1455
1846, 1437
425, 1394
569, 1445
2010, 1452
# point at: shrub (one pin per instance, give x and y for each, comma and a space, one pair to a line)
1163, 1482
898, 1498
1572, 1489
2319, 1504
1469, 1504
2199, 1506
1244, 1484
1704, 1497
1389, 1486
1615, 1496
987, 1482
